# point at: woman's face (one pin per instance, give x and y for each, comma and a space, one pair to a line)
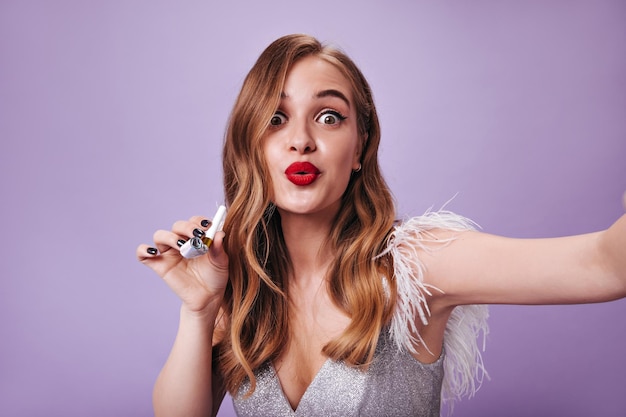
312, 143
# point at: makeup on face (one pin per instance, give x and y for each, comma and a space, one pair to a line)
197, 246
312, 142
302, 173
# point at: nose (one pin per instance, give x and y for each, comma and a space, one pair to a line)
301, 140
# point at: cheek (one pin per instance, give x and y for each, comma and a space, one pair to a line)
347, 156
342, 167
272, 161
269, 154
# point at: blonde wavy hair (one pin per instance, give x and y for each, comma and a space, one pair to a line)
256, 301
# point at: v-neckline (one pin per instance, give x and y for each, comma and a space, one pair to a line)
306, 391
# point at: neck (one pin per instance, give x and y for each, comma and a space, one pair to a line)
305, 238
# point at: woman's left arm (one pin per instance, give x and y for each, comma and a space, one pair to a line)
478, 268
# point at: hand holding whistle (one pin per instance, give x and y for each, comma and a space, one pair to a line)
197, 246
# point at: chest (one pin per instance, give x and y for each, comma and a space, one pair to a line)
395, 384
302, 358
313, 325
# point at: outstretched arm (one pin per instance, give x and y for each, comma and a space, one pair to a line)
478, 268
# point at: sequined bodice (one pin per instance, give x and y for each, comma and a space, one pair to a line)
394, 385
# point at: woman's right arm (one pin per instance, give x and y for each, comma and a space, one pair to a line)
187, 385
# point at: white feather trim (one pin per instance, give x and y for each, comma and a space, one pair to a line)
463, 365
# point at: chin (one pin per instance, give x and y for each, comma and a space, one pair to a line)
308, 208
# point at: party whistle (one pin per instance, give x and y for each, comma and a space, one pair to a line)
197, 246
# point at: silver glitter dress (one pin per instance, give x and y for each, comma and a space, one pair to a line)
396, 384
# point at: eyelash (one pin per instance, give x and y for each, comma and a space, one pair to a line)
335, 113
331, 112
277, 114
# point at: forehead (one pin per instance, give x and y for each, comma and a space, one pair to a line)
313, 74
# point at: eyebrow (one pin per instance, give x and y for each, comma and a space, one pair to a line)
333, 93
326, 93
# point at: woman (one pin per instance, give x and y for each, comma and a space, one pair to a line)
314, 301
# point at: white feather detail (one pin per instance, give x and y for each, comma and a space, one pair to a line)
463, 365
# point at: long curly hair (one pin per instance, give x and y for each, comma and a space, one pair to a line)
256, 302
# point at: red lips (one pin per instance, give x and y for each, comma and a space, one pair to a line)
302, 173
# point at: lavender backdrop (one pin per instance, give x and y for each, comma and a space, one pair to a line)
111, 119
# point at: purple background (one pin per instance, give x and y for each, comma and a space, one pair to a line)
111, 119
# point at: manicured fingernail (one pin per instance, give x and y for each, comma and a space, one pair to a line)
152, 251
198, 233
180, 242
205, 223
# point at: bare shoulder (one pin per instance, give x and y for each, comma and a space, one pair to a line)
431, 248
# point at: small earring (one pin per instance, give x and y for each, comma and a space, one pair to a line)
358, 169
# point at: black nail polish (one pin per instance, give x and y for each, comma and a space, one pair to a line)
205, 223
180, 242
152, 251
198, 233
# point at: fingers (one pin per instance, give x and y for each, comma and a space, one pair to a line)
202, 221
189, 228
145, 252
218, 257
165, 240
